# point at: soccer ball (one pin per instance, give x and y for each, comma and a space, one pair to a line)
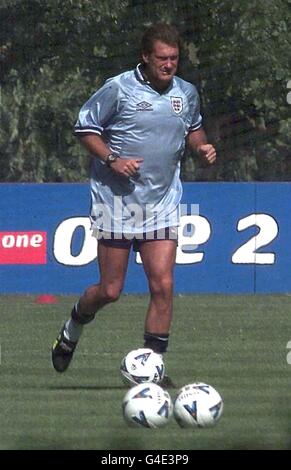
197, 405
142, 365
147, 405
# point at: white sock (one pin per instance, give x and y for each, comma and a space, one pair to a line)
73, 330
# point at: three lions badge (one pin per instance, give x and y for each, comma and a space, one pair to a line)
177, 104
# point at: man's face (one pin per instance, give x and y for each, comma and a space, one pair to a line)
161, 64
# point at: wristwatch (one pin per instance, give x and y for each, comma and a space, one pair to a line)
110, 159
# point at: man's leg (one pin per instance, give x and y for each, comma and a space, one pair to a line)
158, 258
112, 267
113, 263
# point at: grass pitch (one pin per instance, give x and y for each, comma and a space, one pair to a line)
238, 344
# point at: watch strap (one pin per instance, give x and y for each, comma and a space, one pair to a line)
111, 158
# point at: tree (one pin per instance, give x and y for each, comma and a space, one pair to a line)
58, 52
244, 66
48, 69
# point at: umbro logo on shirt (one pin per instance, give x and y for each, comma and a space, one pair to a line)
144, 106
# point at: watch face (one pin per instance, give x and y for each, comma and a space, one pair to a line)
110, 159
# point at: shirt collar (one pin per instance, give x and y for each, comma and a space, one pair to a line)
139, 74
140, 78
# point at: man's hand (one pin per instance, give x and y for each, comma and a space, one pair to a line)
127, 167
197, 140
207, 152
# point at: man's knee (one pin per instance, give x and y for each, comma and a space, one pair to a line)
111, 293
161, 286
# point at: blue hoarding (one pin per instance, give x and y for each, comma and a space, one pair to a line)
235, 241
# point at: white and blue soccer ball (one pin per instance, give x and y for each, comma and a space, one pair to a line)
197, 405
147, 405
142, 365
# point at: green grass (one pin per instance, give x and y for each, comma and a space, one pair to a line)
235, 343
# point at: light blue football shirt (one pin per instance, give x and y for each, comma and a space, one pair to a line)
137, 121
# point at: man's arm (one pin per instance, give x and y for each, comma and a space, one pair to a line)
197, 140
97, 147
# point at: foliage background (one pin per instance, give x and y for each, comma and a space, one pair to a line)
55, 53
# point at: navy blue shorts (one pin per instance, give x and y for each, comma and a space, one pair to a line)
118, 240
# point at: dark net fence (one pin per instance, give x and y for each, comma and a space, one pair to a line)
54, 54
